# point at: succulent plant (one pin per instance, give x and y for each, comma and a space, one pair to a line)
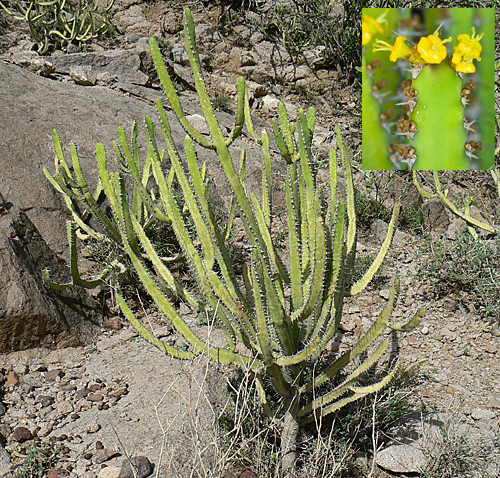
277, 320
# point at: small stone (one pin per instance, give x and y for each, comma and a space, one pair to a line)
491, 349
93, 427
87, 456
45, 400
493, 402
94, 397
99, 445
44, 430
450, 390
74, 416
12, 380
112, 324
482, 414
64, 407
424, 330
109, 472
143, 467
82, 393
3, 409
56, 473
21, 434
450, 304
385, 293
104, 454
402, 459
52, 375
94, 387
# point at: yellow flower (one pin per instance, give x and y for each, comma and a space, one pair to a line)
371, 27
432, 49
399, 50
466, 67
468, 48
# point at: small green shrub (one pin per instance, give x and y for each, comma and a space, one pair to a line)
221, 102
464, 268
38, 460
367, 210
303, 24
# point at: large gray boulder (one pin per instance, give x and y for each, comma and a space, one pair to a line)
32, 314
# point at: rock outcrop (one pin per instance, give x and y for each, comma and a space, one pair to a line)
32, 314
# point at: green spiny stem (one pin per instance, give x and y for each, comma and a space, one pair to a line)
75, 274
440, 135
375, 152
443, 197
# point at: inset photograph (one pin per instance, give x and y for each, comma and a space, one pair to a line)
428, 88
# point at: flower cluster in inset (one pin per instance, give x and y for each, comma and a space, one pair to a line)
468, 48
432, 50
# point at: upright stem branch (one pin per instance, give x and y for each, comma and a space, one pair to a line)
289, 437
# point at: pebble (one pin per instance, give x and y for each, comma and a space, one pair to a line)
142, 465
102, 455
53, 375
493, 403
424, 330
109, 472
64, 407
21, 434
93, 428
482, 414
12, 380
94, 397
